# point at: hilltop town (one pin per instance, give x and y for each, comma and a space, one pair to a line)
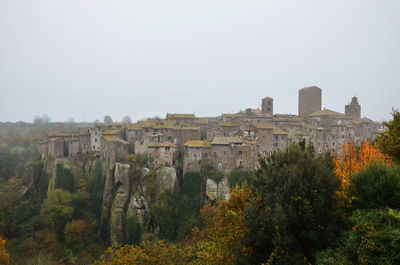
226, 142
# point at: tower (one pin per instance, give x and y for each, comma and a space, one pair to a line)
309, 100
353, 109
267, 106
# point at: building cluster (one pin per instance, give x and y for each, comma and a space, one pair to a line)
225, 142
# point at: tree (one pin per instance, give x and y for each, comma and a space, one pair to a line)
376, 186
108, 120
389, 140
126, 120
372, 238
74, 234
4, 256
295, 212
220, 241
351, 161
57, 210
64, 178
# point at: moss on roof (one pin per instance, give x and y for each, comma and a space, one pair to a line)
278, 131
247, 128
226, 140
198, 143
329, 113
180, 116
163, 144
227, 124
114, 139
186, 128
111, 131
263, 125
201, 121
134, 127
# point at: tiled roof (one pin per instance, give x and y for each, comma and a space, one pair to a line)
114, 139
180, 116
186, 128
278, 131
227, 124
201, 121
196, 143
134, 127
262, 125
55, 139
163, 144
247, 128
329, 113
111, 131
222, 140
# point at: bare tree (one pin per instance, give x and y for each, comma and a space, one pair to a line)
126, 120
108, 120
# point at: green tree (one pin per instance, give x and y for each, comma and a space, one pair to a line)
372, 238
133, 231
389, 140
57, 210
236, 176
295, 211
377, 186
64, 178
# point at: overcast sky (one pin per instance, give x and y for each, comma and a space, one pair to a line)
89, 58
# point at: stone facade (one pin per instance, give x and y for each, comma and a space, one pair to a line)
225, 142
309, 100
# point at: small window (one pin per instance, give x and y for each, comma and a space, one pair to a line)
240, 153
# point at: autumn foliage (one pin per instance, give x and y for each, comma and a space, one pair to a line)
218, 242
351, 161
4, 256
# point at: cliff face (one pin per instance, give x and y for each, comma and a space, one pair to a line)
120, 192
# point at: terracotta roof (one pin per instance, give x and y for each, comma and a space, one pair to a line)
278, 131
262, 125
226, 140
180, 116
196, 143
163, 144
114, 139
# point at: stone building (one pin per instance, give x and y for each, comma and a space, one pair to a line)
353, 109
309, 100
196, 155
267, 106
161, 153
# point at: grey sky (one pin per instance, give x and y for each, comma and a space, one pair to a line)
88, 58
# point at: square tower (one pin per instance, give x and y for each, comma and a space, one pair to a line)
309, 100
353, 109
267, 106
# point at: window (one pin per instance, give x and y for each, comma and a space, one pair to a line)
240, 153
219, 167
95, 140
224, 152
167, 148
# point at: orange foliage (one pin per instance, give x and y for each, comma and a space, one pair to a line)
223, 232
75, 232
4, 256
351, 161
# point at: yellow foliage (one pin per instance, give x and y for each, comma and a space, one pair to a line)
4, 256
75, 232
